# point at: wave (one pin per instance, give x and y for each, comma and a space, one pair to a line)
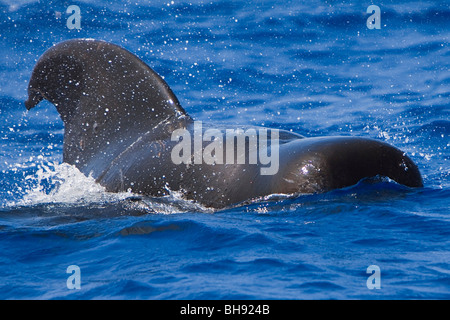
52, 183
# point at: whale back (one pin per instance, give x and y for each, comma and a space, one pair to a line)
105, 95
119, 117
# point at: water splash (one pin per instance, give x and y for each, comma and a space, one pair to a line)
63, 183
47, 182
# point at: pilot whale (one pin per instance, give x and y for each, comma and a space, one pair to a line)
124, 126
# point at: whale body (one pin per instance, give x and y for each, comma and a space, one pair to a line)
120, 118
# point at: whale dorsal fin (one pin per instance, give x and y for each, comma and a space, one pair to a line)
101, 91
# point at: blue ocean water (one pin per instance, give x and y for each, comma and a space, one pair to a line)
313, 67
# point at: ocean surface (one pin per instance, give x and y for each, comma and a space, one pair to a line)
313, 67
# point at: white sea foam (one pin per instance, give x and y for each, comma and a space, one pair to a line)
61, 183
172, 203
